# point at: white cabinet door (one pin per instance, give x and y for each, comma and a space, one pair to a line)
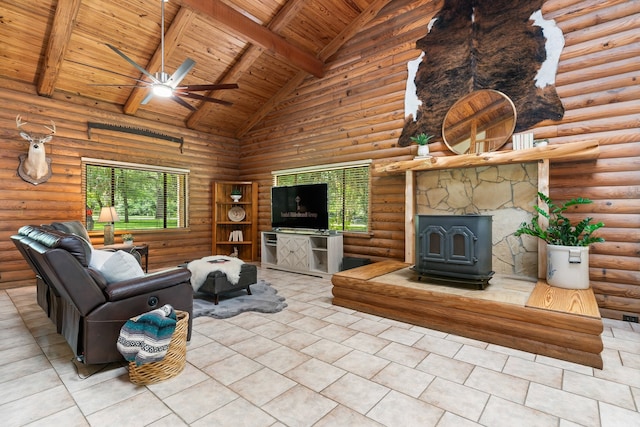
293, 252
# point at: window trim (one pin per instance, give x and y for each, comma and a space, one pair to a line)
331, 167
84, 161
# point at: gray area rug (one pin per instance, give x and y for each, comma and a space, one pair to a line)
264, 299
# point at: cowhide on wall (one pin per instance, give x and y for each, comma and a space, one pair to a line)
482, 44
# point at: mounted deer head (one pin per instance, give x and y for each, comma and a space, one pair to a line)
34, 166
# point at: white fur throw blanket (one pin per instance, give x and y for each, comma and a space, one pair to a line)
201, 268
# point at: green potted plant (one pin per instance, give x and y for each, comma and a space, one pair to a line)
567, 243
236, 194
127, 238
422, 140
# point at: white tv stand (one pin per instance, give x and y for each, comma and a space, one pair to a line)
316, 254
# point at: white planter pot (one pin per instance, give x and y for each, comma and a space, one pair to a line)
568, 266
128, 242
423, 150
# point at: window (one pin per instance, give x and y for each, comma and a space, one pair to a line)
348, 185
145, 197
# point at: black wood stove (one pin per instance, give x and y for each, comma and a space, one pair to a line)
454, 249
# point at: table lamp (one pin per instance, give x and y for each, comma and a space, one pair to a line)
108, 215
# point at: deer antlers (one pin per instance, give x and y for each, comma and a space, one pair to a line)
20, 123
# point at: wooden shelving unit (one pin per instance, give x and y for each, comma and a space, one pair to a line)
223, 226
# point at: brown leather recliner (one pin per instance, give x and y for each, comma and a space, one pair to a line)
88, 311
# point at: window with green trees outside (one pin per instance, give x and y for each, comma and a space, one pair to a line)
145, 196
348, 188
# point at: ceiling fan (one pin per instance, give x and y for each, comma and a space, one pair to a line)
164, 85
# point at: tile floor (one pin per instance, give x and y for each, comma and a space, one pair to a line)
314, 364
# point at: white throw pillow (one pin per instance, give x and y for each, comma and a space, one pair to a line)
121, 266
99, 257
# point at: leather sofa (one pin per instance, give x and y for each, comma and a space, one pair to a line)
86, 308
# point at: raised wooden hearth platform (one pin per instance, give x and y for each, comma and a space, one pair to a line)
534, 317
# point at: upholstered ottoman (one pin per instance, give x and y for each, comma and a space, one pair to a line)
217, 282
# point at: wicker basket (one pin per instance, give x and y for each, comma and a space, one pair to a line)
172, 364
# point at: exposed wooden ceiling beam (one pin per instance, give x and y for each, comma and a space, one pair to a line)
367, 15
288, 12
258, 34
179, 25
63, 23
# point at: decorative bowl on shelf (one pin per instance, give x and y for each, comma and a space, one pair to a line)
236, 197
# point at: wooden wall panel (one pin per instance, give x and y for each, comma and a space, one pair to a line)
356, 112
207, 157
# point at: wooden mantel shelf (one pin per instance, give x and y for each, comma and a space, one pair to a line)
567, 152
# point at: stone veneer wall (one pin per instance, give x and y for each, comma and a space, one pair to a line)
507, 192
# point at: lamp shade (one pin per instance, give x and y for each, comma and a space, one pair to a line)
108, 214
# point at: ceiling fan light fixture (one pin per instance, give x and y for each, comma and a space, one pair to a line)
162, 90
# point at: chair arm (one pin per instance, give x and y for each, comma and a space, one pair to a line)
149, 283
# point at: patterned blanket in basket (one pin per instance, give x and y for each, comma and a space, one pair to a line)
146, 338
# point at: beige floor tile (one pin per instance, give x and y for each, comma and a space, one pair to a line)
599, 389
615, 416
397, 409
368, 326
562, 404
343, 416
36, 406
335, 333
232, 369
532, 371
255, 346
457, 398
364, 364
403, 379
318, 357
28, 385
239, 413
146, 407
70, 417
106, 394
443, 367
438, 345
297, 340
481, 357
299, 406
356, 392
505, 413
262, 386
200, 400
315, 374
208, 354
498, 384
366, 343
282, 359
401, 335
326, 350
403, 354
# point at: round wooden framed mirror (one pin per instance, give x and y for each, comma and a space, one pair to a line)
479, 122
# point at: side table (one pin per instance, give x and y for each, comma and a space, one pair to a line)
141, 248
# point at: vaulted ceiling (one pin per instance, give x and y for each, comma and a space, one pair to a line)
266, 47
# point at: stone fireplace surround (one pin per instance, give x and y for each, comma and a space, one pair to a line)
559, 323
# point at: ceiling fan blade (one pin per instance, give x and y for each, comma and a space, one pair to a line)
183, 103
181, 72
195, 88
147, 98
108, 71
132, 62
203, 98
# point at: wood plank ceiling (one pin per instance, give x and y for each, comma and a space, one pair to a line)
266, 47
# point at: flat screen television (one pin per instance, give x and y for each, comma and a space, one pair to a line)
300, 206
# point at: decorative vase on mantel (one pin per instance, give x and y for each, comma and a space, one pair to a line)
423, 150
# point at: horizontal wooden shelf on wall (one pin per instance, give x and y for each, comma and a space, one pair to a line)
567, 152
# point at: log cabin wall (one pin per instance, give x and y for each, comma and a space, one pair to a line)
207, 157
356, 112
